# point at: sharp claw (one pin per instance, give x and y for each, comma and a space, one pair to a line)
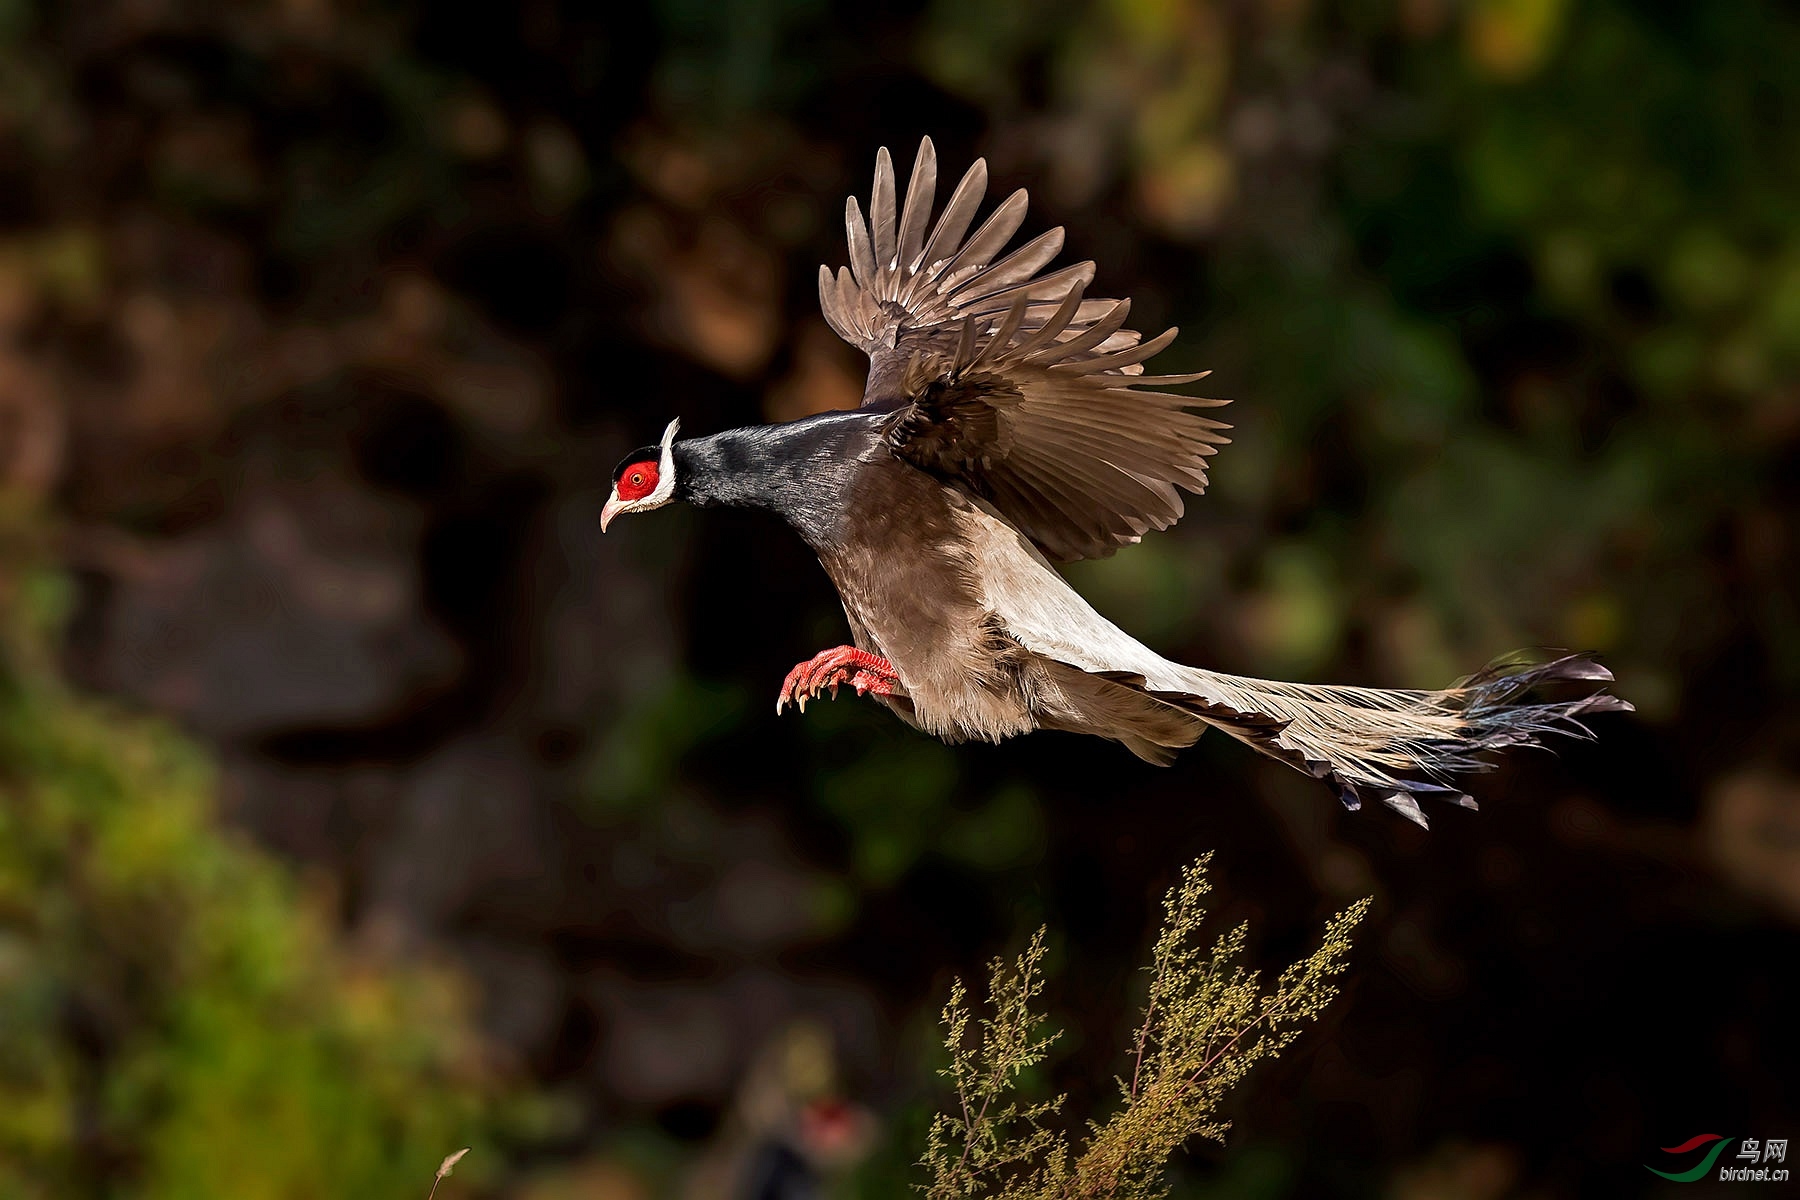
829, 671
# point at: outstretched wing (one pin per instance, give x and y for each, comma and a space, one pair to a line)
1010, 381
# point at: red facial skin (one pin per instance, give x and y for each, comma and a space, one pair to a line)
638, 481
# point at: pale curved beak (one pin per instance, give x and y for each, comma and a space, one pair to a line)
613, 507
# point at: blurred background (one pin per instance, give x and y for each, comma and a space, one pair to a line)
359, 801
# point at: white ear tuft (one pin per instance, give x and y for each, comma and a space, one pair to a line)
665, 481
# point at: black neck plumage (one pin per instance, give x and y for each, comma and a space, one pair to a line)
800, 470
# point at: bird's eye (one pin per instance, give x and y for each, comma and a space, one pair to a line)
637, 479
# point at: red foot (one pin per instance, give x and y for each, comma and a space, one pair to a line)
829, 669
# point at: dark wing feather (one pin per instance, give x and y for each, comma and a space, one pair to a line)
1009, 381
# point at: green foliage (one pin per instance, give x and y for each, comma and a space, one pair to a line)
176, 1016
1207, 1022
902, 801
639, 757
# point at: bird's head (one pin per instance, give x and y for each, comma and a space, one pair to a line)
644, 480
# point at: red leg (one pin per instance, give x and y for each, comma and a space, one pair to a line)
829, 669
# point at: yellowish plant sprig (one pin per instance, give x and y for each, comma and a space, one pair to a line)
444, 1169
1207, 1021
994, 1143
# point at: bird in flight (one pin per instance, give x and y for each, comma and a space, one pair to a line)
1009, 423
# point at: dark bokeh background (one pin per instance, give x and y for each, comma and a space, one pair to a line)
325, 323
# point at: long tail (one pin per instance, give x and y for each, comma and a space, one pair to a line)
1397, 745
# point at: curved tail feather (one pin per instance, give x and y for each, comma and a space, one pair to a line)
1397, 745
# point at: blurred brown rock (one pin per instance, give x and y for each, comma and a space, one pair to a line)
1751, 823
300, 609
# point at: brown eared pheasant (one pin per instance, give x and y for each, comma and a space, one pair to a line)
1009, 423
